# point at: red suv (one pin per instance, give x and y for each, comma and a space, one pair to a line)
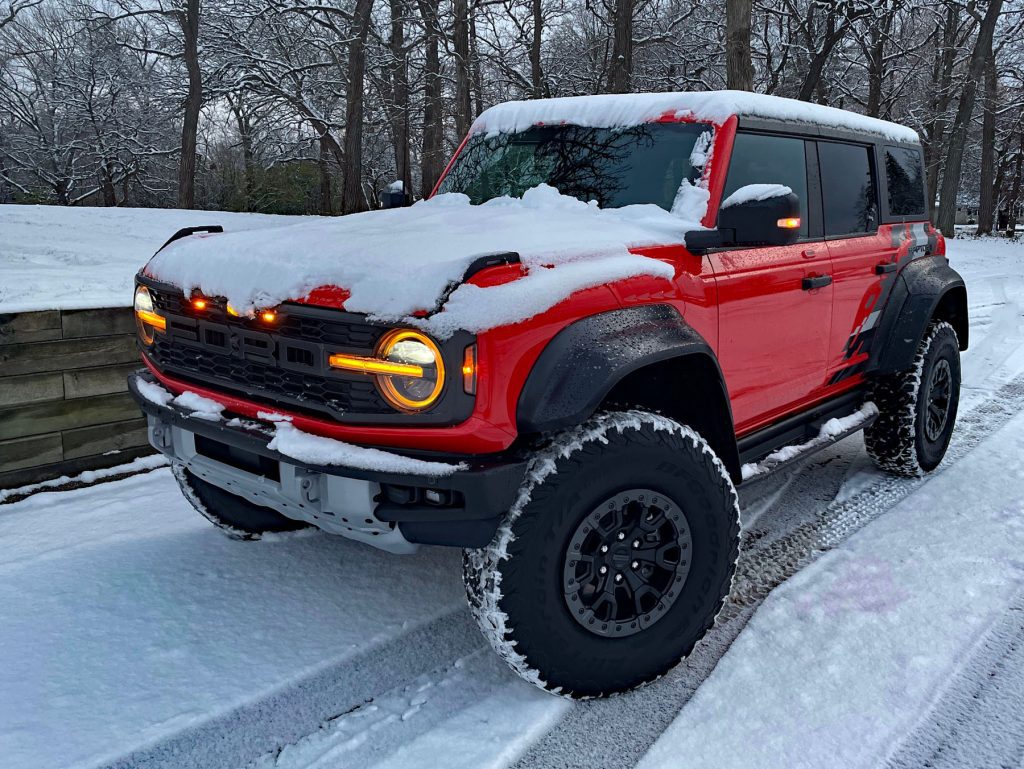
575, 417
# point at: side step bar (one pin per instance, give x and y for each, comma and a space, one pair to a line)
797, 438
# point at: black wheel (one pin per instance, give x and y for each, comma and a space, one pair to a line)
614, 561
917, 408
236, 517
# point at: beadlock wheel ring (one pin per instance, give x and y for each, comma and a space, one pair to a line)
626, 563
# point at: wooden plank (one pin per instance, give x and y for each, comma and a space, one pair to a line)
31, 388
100, 439
109, 321
52, 416
23, 327
66, 354
97, 381
16, 478
30, 452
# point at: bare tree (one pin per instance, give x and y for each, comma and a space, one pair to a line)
739, 67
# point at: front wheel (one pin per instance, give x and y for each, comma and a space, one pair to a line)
917, 408
615, 559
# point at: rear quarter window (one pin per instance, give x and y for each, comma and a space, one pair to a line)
904, 176
847, 188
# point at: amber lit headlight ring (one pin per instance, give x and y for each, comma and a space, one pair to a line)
415, 350
147, 320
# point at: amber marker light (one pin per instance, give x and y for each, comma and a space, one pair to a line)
232, 311
152, 319
374, 366
200, 304
789, 223
469, 370
268, 316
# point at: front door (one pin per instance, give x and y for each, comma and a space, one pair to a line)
775, 304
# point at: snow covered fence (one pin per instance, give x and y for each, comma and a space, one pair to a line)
64, 406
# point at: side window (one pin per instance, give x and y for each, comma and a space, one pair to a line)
849, 201
904, 175
760, 159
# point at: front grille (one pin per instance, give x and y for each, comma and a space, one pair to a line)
285, 364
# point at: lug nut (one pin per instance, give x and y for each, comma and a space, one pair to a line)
604, 548
603, 570
636, 543
635, 564
622, 535
618, 578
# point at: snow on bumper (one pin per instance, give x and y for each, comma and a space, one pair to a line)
384, 499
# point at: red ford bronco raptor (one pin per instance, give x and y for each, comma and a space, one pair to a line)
592, 450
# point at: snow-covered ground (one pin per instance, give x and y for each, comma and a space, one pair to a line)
874, 621
76, 258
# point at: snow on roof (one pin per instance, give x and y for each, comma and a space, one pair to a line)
616, 110
400, 261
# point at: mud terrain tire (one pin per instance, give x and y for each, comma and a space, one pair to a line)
917, 408
623, 480
234, 516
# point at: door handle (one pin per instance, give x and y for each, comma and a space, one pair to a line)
884, 267
818, 281
809, 253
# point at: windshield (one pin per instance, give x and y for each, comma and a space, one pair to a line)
615, 167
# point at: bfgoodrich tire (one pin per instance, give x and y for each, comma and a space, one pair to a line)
235, 517
917, 408
615, 559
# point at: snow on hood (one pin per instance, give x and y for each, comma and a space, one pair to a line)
617, 110
400, 261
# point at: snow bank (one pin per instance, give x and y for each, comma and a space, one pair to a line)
400, 261
616, 110
54, 257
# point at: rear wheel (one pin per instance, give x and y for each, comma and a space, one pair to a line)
917, 408
614, 561
234, 516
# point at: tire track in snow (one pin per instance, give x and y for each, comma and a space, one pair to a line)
609, 734
295, 710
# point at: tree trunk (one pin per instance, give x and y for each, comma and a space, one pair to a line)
244, 124
353, 198
739, 66
876, 64
107, 183
536, 73
460, 33
933, 141
987, 198
958, 134
1011, 229
400, 95
189, 21
620, 73
326, 196
432, 155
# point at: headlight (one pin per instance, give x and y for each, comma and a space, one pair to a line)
146, 318
412, 349
408, 368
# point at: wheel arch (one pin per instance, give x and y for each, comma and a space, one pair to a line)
639, 357
926, 290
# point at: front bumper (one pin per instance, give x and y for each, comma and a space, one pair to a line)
392, 511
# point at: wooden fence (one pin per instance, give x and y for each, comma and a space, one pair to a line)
64, 405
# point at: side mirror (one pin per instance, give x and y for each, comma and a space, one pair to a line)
395, 199
754, 215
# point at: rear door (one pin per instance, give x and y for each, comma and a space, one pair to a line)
773, 326
858, 249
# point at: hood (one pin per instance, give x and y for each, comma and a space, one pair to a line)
401, 263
